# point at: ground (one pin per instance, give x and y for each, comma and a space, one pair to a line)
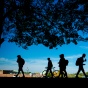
12, 75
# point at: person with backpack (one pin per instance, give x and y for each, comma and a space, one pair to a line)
79, 62
49, 67
20, 62
62, 65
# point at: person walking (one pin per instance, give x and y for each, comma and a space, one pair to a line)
79, 62
21, 63
49, 67
62, 65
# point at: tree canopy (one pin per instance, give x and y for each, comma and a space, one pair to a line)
47, 22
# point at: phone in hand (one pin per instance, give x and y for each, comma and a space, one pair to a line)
85, 59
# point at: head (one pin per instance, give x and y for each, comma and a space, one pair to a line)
83, 55
61, 55
19, 56
48, 58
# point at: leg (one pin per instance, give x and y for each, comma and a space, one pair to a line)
84, 72
18, 72
65, 74
61, 72
22, 72
78, 72
51, 72
46, 72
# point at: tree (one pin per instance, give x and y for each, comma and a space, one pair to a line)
45, 22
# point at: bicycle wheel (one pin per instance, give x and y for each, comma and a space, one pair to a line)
44, 73
55, 73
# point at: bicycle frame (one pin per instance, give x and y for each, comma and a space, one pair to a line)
55, 72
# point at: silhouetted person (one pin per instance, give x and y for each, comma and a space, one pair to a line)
62, 65
80, 64
49, 67
20, 62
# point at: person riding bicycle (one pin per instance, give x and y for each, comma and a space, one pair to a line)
49, 67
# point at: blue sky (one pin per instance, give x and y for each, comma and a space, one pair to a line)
36, 56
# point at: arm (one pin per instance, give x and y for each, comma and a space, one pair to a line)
84, 60
17, 61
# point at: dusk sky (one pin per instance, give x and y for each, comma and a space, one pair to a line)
36, 56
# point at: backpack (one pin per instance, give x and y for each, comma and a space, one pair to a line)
66, 62
77, 61
23, 61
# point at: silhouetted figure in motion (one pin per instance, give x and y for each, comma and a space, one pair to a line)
20, 62
49, 67
79, 63
62, 65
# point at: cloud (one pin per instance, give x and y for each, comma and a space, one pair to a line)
8, 61
84, 47
35, 65
7, 64
3, 59
73, 56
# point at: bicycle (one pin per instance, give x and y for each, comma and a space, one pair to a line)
55, 73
